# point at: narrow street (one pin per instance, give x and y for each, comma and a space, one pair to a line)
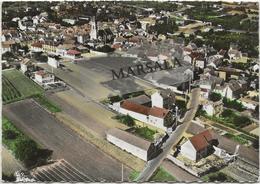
174, 138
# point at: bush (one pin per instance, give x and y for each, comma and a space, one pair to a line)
218, 177
9, 134
227, 113
127, 120
26, 150
234, 104
241, 121
215, 97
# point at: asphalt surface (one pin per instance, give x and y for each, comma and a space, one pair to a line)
37, 123
174, 138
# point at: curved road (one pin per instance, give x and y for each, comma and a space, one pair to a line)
174, 138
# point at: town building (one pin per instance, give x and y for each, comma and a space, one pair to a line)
53, 61
43, 77
155, 116
199, 146
131, 143
213, 108
36, 47
25, 63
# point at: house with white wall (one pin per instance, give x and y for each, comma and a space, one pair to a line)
199, 146
25, 63
53, 61
42, 77
213, 108
155, 116
130, 143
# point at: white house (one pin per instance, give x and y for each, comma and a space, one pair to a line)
213, 108
249, 103
43, 77
24, 64
157, 100
53, 61
73, 54
130, 143
198, 146
5, 48
69, 21
155, 116
234, 54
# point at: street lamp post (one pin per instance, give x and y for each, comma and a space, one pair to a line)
176, 115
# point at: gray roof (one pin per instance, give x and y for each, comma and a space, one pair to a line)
129, 138
142, 99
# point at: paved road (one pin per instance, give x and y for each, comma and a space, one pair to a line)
174, 138
32, 119
180, 174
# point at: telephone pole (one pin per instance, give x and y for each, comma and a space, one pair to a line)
122, 172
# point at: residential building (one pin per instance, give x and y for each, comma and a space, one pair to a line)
43, 77
213, 108
36, 47
155, 116
199, 146
25, 64
73, 54
54, 61
131, 143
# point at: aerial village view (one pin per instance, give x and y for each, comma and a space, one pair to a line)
130, 91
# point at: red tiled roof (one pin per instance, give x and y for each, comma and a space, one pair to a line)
158, 112
73, 52
153, 111
135, 107
201, 140
40, 72
37, 44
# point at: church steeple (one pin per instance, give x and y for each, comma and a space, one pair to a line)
93, 31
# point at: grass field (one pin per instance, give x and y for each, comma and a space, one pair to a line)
16, 86
162, 176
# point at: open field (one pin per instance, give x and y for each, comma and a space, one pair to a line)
89, 114
65, 143
91, 121
16, 86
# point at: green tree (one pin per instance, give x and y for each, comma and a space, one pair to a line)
215, 97
128, 120
26, 150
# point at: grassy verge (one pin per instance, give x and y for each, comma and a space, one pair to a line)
47, 104
24, 148
236, 138
162, 176
133, 175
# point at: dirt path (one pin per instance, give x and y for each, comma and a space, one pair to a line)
9, 162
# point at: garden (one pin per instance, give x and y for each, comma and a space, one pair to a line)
24, 148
